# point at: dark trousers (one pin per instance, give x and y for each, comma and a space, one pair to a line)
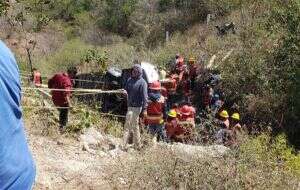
158, 131
63, 117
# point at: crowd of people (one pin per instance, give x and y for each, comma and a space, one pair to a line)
169, 107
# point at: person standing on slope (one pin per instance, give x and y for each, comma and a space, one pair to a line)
137, 97
17, 168
62, 96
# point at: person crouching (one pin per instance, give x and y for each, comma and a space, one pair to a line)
155, 112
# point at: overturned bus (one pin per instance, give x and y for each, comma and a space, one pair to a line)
113, 79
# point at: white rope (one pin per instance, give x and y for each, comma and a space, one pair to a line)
96, 91
56, 107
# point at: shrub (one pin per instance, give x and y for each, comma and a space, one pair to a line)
254, 166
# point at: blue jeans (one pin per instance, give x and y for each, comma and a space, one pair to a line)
159, 131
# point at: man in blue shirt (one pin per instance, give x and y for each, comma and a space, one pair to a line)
137, 98
17, 169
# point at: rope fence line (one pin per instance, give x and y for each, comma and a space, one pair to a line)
55, 108
28, 76
95, 91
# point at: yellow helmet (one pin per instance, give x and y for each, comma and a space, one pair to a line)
172, 113
224, 114
192, 60
236, 116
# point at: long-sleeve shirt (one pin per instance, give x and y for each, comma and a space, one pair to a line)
137, 90
60, 81
17, 168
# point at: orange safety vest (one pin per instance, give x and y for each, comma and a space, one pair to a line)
155, 112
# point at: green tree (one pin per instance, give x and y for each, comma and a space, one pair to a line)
117, 14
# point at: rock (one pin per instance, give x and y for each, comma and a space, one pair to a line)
91, 139
188, 152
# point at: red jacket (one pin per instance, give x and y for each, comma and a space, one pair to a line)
60, 81
37, 78
155, 112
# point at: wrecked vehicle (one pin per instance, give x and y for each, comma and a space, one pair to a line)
113, 79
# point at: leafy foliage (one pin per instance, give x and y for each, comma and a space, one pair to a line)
116, 15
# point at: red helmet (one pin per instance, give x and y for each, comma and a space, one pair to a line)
185, 110
155, 86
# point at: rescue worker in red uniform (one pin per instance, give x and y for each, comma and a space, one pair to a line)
171, 125
170, 89
192, 71
186, 123
37, 78
155, 111
235, 125
61, 98
224, 119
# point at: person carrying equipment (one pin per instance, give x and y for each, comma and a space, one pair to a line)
154, 119
62, 97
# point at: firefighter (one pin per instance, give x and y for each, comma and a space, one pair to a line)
180, 68
37, 78
155, 111
172, 90
187, 114
62, 99
235, 122
192, 71
224, 121
171, 124
186, 124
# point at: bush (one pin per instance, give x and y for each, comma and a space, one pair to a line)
257, 165
70, 54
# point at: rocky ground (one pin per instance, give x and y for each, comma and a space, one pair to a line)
68, 162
